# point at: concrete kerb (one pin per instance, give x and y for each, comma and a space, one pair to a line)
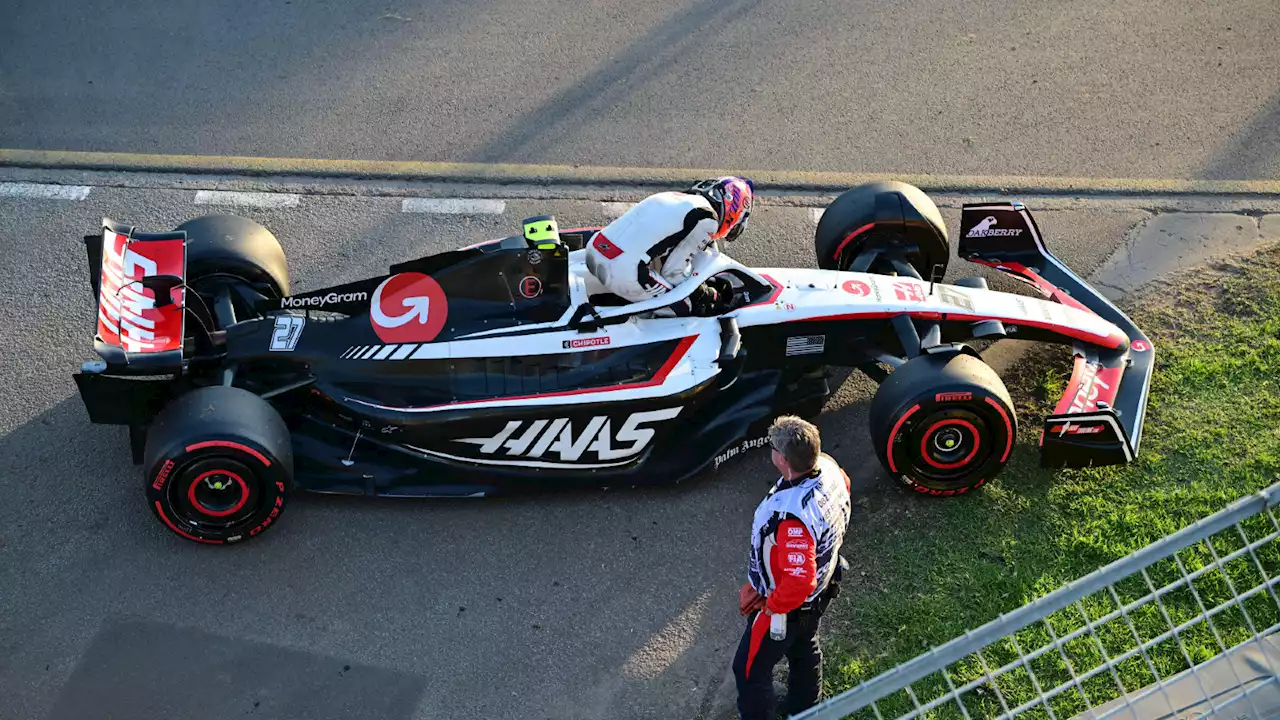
776, 181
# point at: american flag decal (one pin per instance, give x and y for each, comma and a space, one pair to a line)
806, 345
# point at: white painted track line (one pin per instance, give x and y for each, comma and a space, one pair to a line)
815, 214
246, 199
44, 192
453, 206
615, 209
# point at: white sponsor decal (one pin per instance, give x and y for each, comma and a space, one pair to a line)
741, 447
795, 558
795, 571
987, 228
288, 330
586, 342
332, 298
122, 302
419, 307
557, 439
1086, 396
1073, 429
795, 532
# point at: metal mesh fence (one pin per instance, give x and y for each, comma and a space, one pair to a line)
1182, 628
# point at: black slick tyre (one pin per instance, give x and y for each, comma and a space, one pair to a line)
943, 424
882, 214
235, 258
218, 465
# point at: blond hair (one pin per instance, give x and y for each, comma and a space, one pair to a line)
797, 440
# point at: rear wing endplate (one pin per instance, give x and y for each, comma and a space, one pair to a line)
137, 280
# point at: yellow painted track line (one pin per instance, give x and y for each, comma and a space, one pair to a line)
507, 173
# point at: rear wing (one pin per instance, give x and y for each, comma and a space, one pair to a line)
137, 280
1098, 420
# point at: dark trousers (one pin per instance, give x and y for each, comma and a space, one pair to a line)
758, 653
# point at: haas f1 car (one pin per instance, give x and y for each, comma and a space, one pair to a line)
505, 364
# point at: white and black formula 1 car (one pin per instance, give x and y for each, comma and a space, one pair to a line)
496, 366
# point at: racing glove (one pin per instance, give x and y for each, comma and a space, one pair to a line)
749, 600
705, 300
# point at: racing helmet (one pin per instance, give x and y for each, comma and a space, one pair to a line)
731, 198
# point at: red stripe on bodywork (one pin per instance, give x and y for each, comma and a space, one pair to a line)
1110, 341
773, 296
672, 361
167, 521
658, 378
1008, 426
893, 467
567, 231
480, 244
850, 237
1114, 340
1031, 277
228, 444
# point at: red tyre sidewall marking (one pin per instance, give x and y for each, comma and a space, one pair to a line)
244, 493
175, 528
234, 445
848, 238
924, 440
1008, 426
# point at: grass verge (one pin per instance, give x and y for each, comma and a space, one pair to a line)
925, 571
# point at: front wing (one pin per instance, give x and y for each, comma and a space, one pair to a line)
1098, 420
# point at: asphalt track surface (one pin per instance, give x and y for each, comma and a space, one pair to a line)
1146, 88
617, 603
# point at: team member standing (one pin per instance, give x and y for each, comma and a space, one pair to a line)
793, 571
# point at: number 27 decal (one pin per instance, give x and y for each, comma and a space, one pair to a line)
288, 329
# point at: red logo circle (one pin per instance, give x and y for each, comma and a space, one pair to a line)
409, 307
857, 287
1140, 346
530, 287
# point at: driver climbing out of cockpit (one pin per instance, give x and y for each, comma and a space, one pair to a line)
650, 249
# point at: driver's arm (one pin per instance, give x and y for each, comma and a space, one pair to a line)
680, 247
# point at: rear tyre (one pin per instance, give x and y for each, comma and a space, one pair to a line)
233, 258
218, 465
900, 215
943, 424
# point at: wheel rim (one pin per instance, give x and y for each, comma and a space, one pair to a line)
218, 493
214, 494
946, 447
949, 444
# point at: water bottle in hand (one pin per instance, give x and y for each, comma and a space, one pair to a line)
778, 627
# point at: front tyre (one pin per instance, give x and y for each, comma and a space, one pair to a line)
218, 465
943, 424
